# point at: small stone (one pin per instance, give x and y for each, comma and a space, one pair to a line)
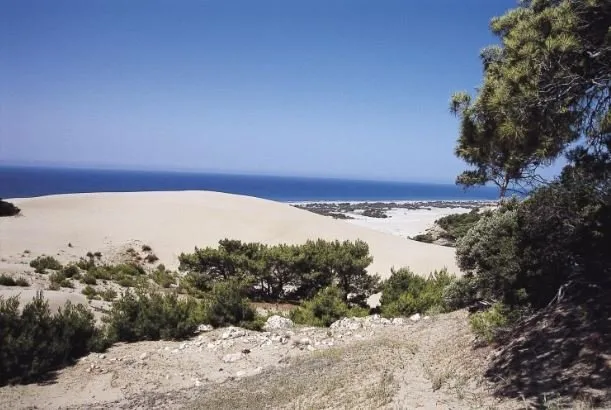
143, 356
415, 317
246, 351
204, 328
182, 346
277, 322
240, 373
385, 321
102, 356
311, 348
197, 383
397, 321
232, 357
304, 341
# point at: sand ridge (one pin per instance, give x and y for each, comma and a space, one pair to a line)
178, 221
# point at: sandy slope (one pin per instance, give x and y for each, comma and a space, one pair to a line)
173, 222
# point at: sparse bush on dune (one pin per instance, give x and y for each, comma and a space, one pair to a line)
34, 341
8, 209
325, 308
153, 316
7, 280
406, 293
227, 305
42, 263
163, 277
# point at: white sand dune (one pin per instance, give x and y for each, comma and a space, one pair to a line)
175, 222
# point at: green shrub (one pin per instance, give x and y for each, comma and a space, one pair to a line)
8, 209
89, 291
127, 282
325, 308
141, 316
227, 305
146, 248
98, 255
7, 280
424, 237
89, 279
457, 225
488, 323
61, 280
86, 264
406, 293
23, 282
163, 277
54, 286
33, 341
151, 258
42, 263
460, 293
108, 295
71, 271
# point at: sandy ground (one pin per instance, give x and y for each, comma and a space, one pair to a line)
404, 222
175, 222
428, 364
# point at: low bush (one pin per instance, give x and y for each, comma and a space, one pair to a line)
325, 308
60, 279
146, 248
406, 293
53, 286
154, 316
228, 305
460, 293
7, 280
8, 209
89, 292
163, 277
89, 279
424, 237
71, 271
487, 324
42, 263
151, 258
34, 341
108, 295
23, 282
457, 225
127, 282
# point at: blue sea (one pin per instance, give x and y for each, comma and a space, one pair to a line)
24, 182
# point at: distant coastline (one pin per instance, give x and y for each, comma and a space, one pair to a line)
27, 182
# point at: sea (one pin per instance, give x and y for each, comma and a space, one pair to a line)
26, 182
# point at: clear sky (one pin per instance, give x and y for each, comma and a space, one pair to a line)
337, 88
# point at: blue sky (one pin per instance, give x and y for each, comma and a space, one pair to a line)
336, 88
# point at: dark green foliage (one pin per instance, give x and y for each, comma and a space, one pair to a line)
141, 316
127, 282
7, 280
151, 258
284, 271
108, 295
228, 305
89, 279
42, 263
8, 209
406, 293
33, 341
487, 324
460, 293
23, 282
86, 264
60, 279
457, 225
325, 308
163, 277
89, 292
424, 237
71, 271
374, 213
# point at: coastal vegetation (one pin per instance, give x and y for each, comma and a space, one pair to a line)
8, 208
545, 95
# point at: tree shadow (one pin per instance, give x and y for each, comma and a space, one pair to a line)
563, 351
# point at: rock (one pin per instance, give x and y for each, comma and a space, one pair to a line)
232, 357
385, 321
232, 333
415, 317
397, 321
246, 351
143, 356
304, 341
240, 373
276, 322
204, 328
182, 346
351, 323
102, 356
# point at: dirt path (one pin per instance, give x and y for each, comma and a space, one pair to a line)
366, 364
